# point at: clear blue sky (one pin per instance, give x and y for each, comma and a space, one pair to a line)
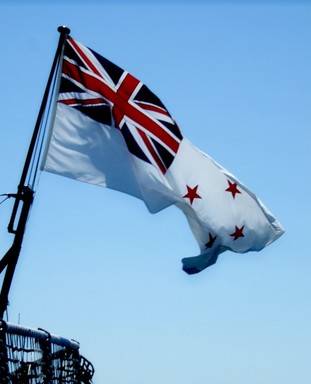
97, 267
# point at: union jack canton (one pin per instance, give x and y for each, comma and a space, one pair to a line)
108, 94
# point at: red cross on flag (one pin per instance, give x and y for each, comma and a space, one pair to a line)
111, 130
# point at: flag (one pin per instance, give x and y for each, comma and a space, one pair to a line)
111, 130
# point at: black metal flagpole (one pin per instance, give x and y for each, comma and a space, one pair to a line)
25, 193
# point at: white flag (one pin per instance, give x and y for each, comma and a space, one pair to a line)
111, 130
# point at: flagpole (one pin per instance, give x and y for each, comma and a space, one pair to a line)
25, 193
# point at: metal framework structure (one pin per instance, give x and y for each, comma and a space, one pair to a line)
29, 356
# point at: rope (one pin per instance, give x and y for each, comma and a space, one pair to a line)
7, 197
32, 178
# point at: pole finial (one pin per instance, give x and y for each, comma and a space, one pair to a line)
63, 29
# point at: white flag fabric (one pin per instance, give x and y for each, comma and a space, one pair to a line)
111, 130
222, 213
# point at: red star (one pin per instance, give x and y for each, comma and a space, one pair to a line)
238, 233
233, 188
192, 194
211, 241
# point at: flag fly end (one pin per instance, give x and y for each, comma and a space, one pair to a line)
196, 264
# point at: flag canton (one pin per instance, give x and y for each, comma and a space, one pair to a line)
109, 95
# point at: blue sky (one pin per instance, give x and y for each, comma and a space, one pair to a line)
97, 267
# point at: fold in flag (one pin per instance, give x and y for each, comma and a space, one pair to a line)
111, 130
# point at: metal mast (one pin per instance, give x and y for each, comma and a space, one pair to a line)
25, 192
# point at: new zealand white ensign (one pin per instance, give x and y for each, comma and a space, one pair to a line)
111, 130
